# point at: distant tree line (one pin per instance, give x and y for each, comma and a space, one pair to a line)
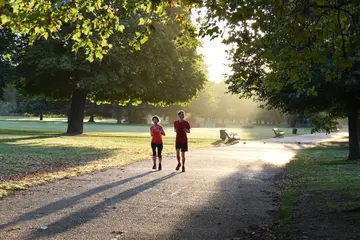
212, 106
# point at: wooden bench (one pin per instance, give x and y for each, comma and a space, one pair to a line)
278, 133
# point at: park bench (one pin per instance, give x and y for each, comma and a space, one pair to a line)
230, 136
278, 133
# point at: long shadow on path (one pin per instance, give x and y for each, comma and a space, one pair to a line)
87, 214
242, 201
66, 202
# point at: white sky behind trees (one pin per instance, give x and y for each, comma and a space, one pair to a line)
215, 55
215, 58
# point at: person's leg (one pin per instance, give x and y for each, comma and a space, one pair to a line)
177, 157
183, 160
153, 147
160, 148
159, 151
183, 150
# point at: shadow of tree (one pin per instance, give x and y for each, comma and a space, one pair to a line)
87, 214
32, 137
19, 159
66, 202
243, 199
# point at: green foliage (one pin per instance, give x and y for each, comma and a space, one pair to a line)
9, 52
93, 22
50, 61
160, 72
292, 51
40, 105
323, 123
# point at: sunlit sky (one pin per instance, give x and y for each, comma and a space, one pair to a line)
215, 58
215, 55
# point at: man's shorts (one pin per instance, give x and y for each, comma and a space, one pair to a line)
182, 146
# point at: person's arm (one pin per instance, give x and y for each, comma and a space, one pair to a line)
175, 126
162, 132
151, 134
188, 127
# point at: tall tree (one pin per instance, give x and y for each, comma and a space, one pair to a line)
164, 70
297, 52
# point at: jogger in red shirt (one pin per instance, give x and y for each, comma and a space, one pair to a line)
156, 132
181, 127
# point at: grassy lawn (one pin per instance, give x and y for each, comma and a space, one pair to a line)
18, 125
320, 184
27, 160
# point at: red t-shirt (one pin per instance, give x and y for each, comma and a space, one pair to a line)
181, 136
156, 134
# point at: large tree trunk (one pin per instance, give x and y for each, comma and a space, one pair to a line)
41, 117
76, 114
119, 114
354, 132
91, 119
92, 111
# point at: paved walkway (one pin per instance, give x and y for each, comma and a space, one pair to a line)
224, 190
309, 138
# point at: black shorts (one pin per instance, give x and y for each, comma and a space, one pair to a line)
159, 149
182, 146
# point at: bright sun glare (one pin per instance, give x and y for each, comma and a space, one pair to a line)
215, 56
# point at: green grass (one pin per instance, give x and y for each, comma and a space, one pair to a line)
18, 125
322, 169
27, 160
286, 209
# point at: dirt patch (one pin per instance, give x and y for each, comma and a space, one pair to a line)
265, 232
256, 232
322, 214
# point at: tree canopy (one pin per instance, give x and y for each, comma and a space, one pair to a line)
166, 69
298, 56
94, 22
